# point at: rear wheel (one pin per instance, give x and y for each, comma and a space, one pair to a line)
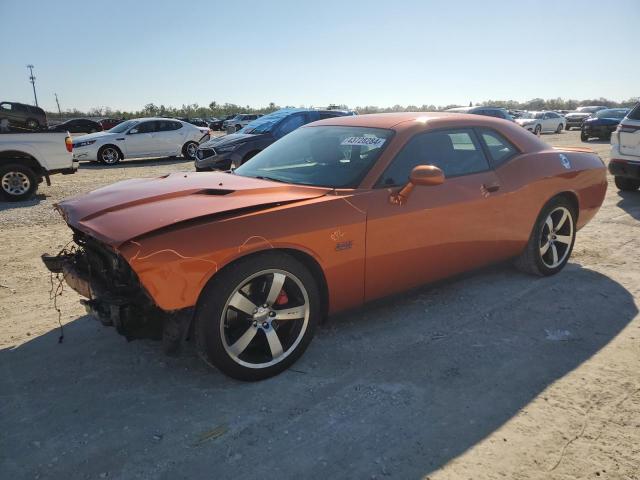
627, 184
109, 155
189, 150
584, 136
238, 127
551, 241
567, 127
18, 182
256, 318
32, 124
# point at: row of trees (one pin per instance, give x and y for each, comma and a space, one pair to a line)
218, 110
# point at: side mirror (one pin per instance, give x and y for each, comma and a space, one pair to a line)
132, 131
423, 175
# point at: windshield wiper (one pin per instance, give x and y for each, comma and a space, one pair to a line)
272, 179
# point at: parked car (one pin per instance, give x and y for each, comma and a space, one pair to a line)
240, 121
139, 138
77, 125
575, 119
218, 123
487, 111
337, 213
602, 123
538, 122
625, 152
22, 117
221, 153
28, 158
109, 123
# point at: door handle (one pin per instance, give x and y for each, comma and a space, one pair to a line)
493, 187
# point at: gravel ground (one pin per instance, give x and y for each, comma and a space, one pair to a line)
491, 375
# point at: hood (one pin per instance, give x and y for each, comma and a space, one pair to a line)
231, 139
603, 121
131, 208
94, 136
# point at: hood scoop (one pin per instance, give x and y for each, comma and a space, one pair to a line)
214, 191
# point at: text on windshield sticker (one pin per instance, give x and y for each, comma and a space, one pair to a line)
373, 142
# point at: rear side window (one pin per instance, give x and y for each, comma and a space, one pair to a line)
499, 148
456, 152
635, 113
289, 124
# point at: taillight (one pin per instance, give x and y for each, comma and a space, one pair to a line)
68, 143
627, 128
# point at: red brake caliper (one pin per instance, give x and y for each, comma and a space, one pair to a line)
282, 299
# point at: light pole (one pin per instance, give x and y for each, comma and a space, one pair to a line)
58, 103
33, 83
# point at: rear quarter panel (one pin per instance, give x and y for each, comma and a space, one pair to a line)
531, 180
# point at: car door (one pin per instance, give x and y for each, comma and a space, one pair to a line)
140, 141
170, 135
549, 123
440, 230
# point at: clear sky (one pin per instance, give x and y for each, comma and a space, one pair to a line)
124, 54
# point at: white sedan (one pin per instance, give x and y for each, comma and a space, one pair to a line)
538, 122
139, 138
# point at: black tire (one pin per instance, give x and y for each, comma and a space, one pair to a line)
210, 325
583, 136
560, 128
238, 127
531, 260
189, 150
627, 184
567, 127
17, 182
537, 130
32, 124
109, 155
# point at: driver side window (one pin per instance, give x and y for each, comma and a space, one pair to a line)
456, 152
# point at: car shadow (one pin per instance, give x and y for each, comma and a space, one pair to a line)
403, 386
630, 203
35, 200
136, 163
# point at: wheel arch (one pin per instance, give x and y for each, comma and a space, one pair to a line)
16, 156
111, 145
307, 259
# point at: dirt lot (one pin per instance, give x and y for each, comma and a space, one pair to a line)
493, 375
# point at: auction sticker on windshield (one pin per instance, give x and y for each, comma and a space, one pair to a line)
373, 142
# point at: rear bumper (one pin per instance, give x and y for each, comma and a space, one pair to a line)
625, 168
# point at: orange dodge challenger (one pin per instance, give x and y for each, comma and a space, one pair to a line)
337, 213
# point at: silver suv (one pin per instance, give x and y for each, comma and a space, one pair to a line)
240, 121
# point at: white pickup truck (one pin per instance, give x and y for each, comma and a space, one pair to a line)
28, 158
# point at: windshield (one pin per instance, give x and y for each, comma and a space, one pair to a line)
331, 156
123, 127
266, 123
612, 113
532, 115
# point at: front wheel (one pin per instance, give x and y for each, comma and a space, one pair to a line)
567, 127
257, 317
189, 150
537, 130
551, 241
18, 182
627, 184
584, 136
109, 155
560, 128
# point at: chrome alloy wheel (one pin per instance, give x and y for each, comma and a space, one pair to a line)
192, 149
15, 183
265, 318
110, 155
556, 237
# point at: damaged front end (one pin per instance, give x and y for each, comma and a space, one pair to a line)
114, 294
